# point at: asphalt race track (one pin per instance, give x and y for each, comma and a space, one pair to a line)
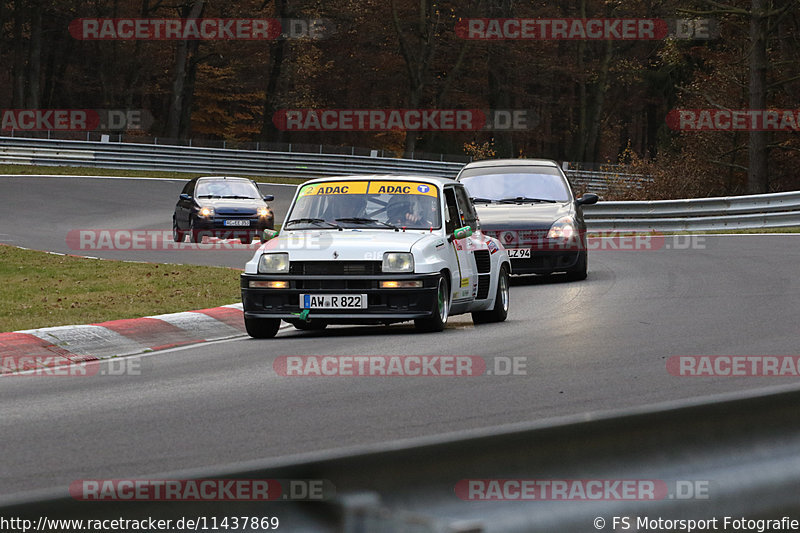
40, 213
589, 346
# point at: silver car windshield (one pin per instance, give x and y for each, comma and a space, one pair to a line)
498, 183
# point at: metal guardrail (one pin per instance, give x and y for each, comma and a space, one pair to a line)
706, 214
131, 156
171, 158
741, 450
700, 214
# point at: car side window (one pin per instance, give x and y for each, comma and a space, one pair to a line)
188, 188
467, 211
451, 217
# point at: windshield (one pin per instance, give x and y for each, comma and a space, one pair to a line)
379, 204
499, 183
227, 189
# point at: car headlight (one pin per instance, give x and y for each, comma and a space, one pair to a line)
206, 211
398, 262
273, 263
563, 228
263, 211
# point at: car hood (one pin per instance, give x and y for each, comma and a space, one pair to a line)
232, 206
495, 217
349, 244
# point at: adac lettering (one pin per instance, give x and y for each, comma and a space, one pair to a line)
394, 189
339, 189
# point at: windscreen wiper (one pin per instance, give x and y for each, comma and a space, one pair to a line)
482, 200
313, 221
523, 199
363, 220
239, 197
209, 196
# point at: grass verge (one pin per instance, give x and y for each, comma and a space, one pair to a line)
91, 171
41, 289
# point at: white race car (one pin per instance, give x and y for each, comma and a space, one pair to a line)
376, 250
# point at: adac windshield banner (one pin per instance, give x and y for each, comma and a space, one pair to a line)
368, 187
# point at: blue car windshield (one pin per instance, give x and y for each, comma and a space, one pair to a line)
498, 183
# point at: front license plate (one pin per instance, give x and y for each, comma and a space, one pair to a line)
519, 253
333, 301
237, 222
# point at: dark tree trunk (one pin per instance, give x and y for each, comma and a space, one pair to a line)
188, 92
757, 179
18, 95
499, 95
179, 79
598, 101
417, 58
132, 77
277, 54
578, 151
35, 58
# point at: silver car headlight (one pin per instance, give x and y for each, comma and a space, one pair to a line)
273, 263
563, 228
398, 262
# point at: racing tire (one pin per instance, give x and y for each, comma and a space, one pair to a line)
581, 270
196, 236
311, 325
262, 328
246, 240
177, 234
501, 300
441, 309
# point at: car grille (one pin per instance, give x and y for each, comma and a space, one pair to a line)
353, 284
546, 261
335, 268
483, 261
230, 212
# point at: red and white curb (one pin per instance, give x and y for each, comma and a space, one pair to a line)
63, 345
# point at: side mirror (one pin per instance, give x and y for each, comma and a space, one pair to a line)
185, 196
268, 234
268, 197
460, 233
587, 199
